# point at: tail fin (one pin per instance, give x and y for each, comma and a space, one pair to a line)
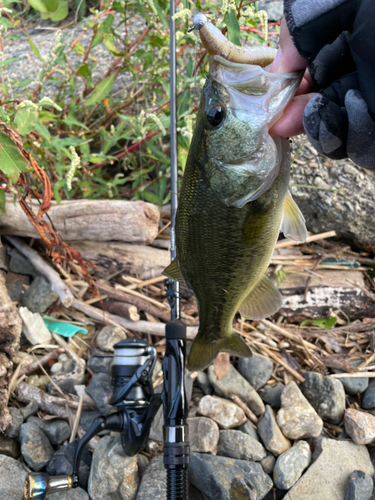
205, 348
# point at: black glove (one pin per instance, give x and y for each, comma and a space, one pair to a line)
336, 37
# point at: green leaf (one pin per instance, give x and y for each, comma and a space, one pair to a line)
42, 130
25, 120
2, 202
11, 160
151, 197
233, 27
51, 5
79, 49
324, 324
34, 48
47, 116
38, 5
8, 61
60, 13
101, 91
80, 8
56, 188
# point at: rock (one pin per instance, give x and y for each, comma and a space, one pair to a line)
66, 374
9, 447
100, 390
275, 10
13, 430
327, 477
271, 394
87, 419
39, 296
142, 462
35, 447
296, 417
30, 410
156, 429
63, 460
34, 328
248, 428
100, 365
360, 426
360, 486
291, 464
203, 435
237, 444
12, 478
368, 400
204, 383
21, 265
57, 431
353, 386
257, 370
326, 395
270, 433
316, 444
113, 475
268, 463
16, 285
222, 478
225, 413
153, 484
109, 336
234, 383
74, 494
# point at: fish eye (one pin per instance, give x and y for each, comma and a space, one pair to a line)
215, 115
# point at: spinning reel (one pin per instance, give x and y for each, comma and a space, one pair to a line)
133, 396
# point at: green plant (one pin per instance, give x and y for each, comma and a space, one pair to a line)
93, 142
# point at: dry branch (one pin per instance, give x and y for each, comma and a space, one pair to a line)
121, 309
45, 269
26, 393
92, 220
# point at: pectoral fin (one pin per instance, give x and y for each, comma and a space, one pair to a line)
173, 271
264, 300
293, 225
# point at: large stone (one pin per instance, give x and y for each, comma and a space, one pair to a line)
248, 428
296, 417
39, 296
113, 475
222, 478
109, 336
21, 265
226, 414
12, 478
13, 430
270, 433
153, 483
16, 285
353, 385
9, 447
326, 395
327, 477
368, 399
360, 426
204, 383
234, 383
237, 444
268, 463
63, 460
360, 486
100, 365
257, 370
271, 394
156, 428
291, 464
100, 390
30, 410
35, 446
57, 431
143, 463
74, 494
203, 435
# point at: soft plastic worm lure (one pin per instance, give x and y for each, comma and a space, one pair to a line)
217, 44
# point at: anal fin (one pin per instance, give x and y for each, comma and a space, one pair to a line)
263, 301
173, 271
293, 224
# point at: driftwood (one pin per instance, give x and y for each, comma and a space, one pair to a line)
128, 311
10, 333
26, 393
92, 220
45, 269
116, 257
332, 292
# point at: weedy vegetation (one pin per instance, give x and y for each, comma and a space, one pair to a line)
88, 140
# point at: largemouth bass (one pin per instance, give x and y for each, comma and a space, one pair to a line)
234, 200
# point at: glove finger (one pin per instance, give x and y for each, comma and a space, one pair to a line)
326, 125
331, 63
361, 131
337, 91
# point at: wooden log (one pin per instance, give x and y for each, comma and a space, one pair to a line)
10, 334
92, 220
128, 311
331, 292
26, 393
57, 285
117, 257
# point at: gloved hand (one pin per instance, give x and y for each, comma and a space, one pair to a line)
336, 38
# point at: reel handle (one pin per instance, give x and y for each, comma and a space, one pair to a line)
38, 485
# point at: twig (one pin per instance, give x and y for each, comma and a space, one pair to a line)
353, 375
27, 393
250, 415
368, 294
31, 367
279, 360
68, 350
52, 276
314, 237
77, 420
285, 333
141, 296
